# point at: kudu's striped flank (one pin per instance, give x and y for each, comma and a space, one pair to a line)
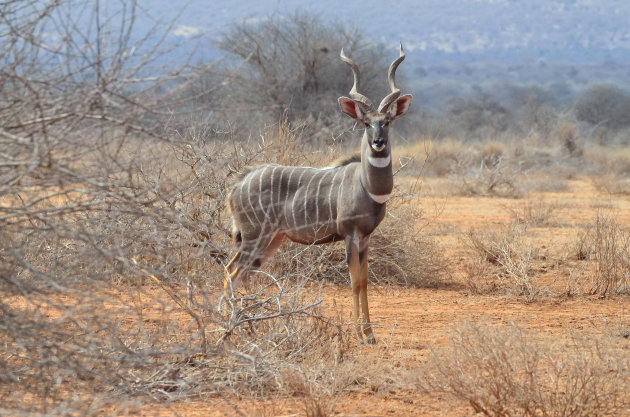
309, 205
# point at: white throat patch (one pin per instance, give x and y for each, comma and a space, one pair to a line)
379, 198
381, 162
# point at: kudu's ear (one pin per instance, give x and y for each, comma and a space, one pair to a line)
399, 107
352, 109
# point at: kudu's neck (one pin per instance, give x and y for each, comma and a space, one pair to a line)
376, 171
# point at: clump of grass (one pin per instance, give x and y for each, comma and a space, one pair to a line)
503, 371
506, 255
441, 156
606, 246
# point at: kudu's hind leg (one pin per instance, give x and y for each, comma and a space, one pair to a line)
249, 255
228, 288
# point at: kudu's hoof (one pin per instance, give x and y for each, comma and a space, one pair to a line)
370, 340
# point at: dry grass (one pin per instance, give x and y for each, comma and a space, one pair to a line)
613, 184
434, 157
504, 371
514, 166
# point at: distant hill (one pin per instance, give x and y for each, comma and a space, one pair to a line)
579, 31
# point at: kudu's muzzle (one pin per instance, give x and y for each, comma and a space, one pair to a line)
379, 144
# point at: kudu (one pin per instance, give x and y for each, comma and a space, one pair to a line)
312, 206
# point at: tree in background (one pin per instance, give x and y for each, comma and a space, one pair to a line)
604, 105
289, 67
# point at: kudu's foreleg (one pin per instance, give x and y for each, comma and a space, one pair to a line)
367, 327
356, 256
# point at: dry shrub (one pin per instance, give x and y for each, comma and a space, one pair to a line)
268, 331
284, 144
449, 156
510, 257
534, 213
608, 160
317, 400
492, 153
480, 276
112, 278
568, 135
546, 183
606, 246
502, 178
276, 342
108, 212
402, 253
320, 384
503, 371
414, 157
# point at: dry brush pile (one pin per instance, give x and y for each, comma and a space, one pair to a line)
505, 370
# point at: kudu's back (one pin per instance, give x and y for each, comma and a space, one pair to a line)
305, 204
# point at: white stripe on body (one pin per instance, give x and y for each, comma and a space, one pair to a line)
249, 196
319, 184
294, 200
271, 206
340, 193
306, 198
241, 198
277, 205
260, 203
286, 197
332, 187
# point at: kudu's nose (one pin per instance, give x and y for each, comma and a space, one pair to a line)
378, 144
